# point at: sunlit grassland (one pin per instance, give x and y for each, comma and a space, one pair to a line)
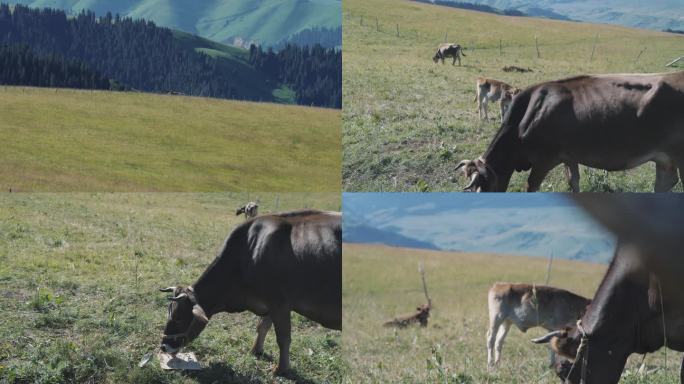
383, 282
80, 275
69, 140
407, 121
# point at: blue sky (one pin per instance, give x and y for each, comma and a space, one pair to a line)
517, 224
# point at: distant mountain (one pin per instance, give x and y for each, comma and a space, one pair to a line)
655, 14
531, 228
234, 22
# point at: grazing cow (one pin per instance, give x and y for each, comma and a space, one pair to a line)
528, 306
449, 50
487, 90
610, 122
271, 265
250, 210
639, 306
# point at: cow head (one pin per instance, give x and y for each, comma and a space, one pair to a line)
436, 57
186, 319
482, 177
577, 356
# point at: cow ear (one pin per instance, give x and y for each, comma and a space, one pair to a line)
547, 338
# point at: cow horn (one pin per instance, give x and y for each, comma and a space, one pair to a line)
473, 180
182, 295
461, 164
199, 314
167, 289
546, 338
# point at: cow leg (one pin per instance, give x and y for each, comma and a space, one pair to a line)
283, 330
573, 176
666, 176
537, 175
262, 329
503, 331
454, 62
681, 372
485, 103
494, 327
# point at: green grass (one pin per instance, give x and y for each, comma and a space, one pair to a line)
407, 118
67, 140
382, 282
80, 273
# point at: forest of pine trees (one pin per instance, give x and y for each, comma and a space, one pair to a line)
312, 72
19, 66
142, 56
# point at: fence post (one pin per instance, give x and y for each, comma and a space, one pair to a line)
536, 44
361, 20
397, 29
593, 48
446, 35
377, 24
500, 48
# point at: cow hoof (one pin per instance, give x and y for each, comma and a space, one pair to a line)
257, 352
284, 372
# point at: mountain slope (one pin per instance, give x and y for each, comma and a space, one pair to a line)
232, 22
658, 15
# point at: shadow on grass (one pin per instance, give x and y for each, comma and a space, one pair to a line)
223, 373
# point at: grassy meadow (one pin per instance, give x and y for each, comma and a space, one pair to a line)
69, 140
407, 121
383, 282
80, 275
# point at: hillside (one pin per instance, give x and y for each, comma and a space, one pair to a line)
119, 141
266, 22
658, 15
383, 282
81, 275
407, 121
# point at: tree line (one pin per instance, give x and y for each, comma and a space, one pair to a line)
19, 66
314, 73
139, 55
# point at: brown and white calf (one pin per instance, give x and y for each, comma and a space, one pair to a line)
449, 50
528, 306
490, 90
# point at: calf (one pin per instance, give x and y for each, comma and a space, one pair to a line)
420, 316
449, 50
487, 90
528, 306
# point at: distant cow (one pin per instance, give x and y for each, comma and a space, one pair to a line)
639, 306
271, 265
490, 90
250, 210
610, 122
528, 306
449, 50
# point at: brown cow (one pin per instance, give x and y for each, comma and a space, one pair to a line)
449, 50
610, 122
639, 306
270, 265
528, 306
420, 316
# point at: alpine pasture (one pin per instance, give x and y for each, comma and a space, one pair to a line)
407, 121
70, 140
80, 274
382, 282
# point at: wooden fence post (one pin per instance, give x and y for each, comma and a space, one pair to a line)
500, 47
536, 44
397, 29
593, 48
377, 24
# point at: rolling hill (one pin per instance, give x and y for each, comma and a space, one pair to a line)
266, 22
382, 282
408, 122
67, 140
